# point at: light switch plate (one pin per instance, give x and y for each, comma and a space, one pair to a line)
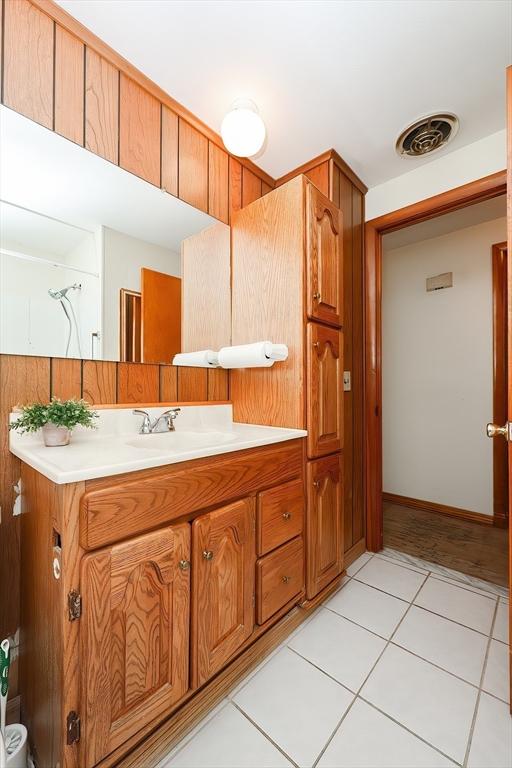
347, 382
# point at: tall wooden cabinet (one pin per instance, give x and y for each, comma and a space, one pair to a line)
287, 286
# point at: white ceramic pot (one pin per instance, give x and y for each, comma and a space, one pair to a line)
16, 741
54, 435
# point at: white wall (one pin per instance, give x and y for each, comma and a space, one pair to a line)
31, 321
446, 171
123, 257
437, 369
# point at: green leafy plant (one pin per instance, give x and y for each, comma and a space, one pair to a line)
62, 413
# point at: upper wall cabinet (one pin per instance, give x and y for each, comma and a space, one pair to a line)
325, 265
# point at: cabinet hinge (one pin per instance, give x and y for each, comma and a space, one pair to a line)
253, 601
72, 728
74, 605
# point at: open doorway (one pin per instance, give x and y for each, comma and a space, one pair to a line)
443, 378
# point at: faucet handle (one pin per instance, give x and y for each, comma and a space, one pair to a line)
145, 428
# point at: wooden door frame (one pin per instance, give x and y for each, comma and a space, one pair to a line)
499, 395
460, 197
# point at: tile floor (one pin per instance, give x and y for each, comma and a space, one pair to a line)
401, 668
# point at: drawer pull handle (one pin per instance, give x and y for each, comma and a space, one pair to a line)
184, 565
286, 579
287, 515
208, 554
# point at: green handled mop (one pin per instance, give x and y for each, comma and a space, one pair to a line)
5, 660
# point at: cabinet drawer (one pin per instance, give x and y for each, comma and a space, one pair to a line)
280, 515
279, 577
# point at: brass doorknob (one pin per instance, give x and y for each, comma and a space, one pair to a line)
493, 430
208, 554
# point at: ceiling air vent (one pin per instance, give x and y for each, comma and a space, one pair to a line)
427, 135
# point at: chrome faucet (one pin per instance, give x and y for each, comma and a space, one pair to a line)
149, 427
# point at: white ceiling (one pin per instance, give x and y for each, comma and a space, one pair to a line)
348, 74
470, 216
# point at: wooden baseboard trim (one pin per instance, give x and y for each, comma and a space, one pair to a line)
441, 509
355, 551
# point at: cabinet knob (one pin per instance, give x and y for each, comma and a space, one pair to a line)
316, 483
207, 554
287, 515
316, 344
184, 565
317, 296
286, 579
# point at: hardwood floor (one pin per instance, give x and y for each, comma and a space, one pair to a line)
478, 550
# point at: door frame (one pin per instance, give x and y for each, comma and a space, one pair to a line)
499, 394
460, 197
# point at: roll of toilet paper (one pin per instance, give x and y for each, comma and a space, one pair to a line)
261, 354
204, 358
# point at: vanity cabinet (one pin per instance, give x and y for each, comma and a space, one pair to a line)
134, 636
323, 257
139, 590
223, 563
324, 527
287, 280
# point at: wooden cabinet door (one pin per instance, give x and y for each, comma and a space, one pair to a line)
223, 564
324, 258
134, 636
325, 390
324, 523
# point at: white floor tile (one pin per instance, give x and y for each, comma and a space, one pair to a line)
404, 561
501, 625
431, 703
443, 642
459, 604
496, 678
390, 745
484, 588
395, 579
191, 734
358, 564
342, 649
491, 745
295, 704
228, 740
375, 610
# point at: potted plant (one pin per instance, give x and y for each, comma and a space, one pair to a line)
56, 419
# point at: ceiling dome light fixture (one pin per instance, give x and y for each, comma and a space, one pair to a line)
243, 130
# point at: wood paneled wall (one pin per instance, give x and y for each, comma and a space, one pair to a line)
336, 180
29, 379
56, 72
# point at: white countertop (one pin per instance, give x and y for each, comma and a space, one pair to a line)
117, 447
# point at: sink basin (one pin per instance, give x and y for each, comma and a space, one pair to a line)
179, 441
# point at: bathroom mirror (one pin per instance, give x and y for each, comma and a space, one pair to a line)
98, 263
